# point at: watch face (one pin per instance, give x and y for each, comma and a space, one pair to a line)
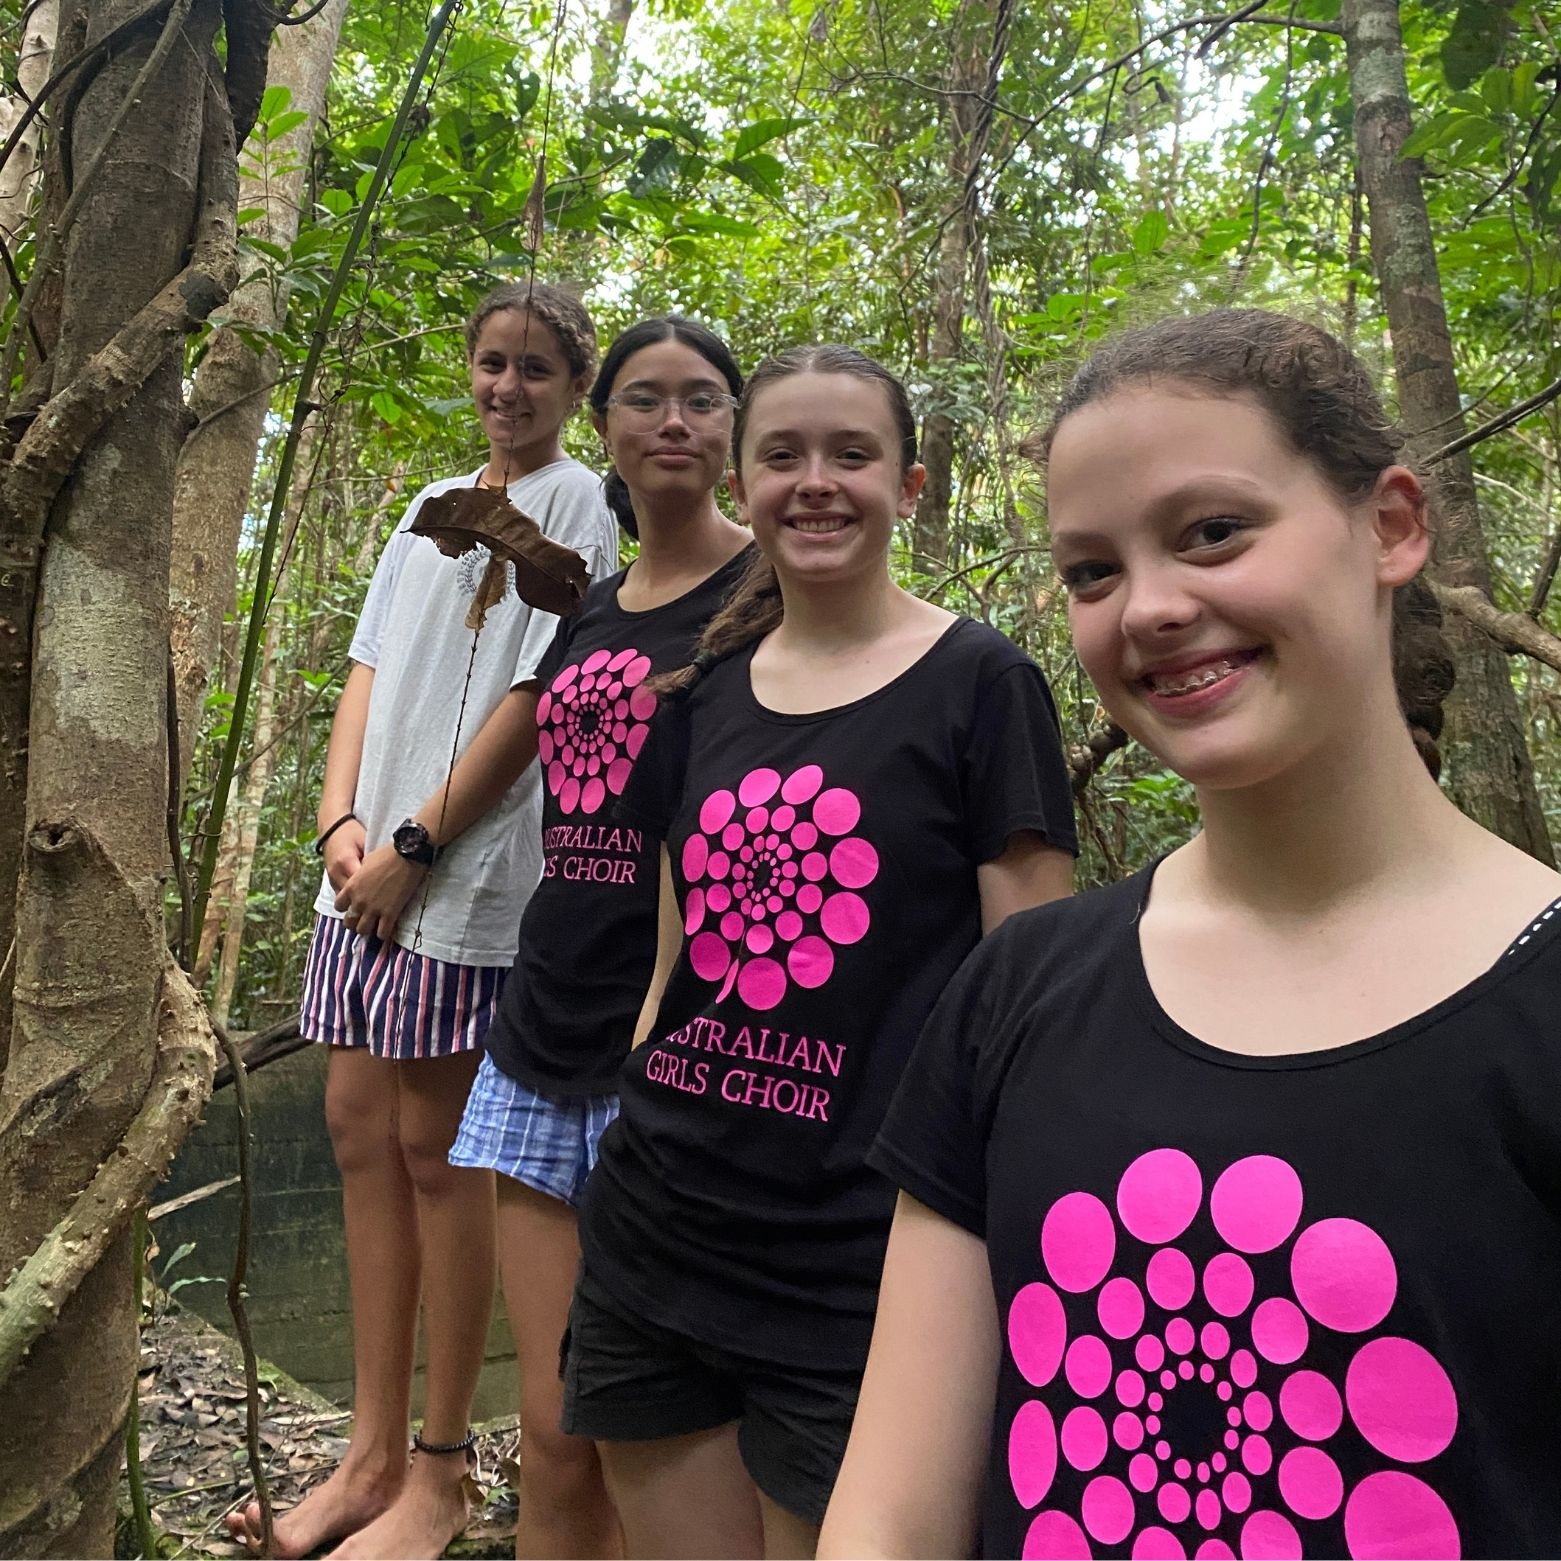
411, 840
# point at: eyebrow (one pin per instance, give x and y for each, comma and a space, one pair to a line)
1213, 489
690, 385
842, 435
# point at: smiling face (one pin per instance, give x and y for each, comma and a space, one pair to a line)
523, 388
820, 478
1231, 608
674, 455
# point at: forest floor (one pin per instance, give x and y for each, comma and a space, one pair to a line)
196, 1466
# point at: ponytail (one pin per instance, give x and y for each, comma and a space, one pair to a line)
1423, 668
616, 492
752, 610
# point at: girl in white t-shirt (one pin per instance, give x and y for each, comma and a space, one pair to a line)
427, 871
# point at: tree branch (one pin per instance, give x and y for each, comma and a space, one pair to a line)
1086, 759
1515, 632
181, 1082
1499, 423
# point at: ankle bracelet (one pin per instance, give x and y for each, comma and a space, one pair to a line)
465, 1445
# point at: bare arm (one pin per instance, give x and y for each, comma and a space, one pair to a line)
669, 944
916, 1462
1029, 872
496, 758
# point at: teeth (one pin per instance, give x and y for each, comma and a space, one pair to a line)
819, 526
1191, 682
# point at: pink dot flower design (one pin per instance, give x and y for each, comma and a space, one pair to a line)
773, 874
591, 724
1181, 1401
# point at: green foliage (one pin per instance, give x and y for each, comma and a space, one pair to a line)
783, 172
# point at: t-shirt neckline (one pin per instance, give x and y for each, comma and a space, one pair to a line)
639, 615
794, 718
1525, 945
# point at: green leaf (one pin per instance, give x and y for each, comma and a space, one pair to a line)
1151, 231
251, 214
760, 172
278, 127
272, 101
1475, 43
1496, 89
386, 405
762, 131
337, 202
657, 167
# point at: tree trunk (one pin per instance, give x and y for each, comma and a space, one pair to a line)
229, 396
607, 48
40, 23
966, 76
1489, 772
93, 1101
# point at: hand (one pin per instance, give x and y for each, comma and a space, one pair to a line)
344, 853
373, 899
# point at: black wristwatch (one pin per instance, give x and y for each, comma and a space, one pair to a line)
412, 841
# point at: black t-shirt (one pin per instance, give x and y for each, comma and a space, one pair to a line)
826, 867
588, 935
1263, 1306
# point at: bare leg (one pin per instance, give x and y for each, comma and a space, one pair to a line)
786, 1536
381, 1221
684, 1496
564, 1507
455, 1220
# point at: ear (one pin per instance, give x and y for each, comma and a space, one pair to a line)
910, 490
734, 486
1398, 520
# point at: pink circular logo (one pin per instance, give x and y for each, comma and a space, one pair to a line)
773, 873
591, 725
1217, 1421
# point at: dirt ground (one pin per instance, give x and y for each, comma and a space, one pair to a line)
196, 1467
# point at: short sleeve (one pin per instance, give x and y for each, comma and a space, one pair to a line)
1015, 776
932, 1142
654, 792
576, 515
369, 634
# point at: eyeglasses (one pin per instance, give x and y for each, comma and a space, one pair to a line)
645, 409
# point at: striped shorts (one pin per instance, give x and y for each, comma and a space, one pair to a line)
551, 1145
366, 992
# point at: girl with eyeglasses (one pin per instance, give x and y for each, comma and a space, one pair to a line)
662, 403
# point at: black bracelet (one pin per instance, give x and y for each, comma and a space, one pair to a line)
465, 1444
319, 845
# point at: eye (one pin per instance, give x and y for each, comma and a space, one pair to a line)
1081, 578
1215, 531
855, 457
701, 404
778, 456
639, 401
537, 369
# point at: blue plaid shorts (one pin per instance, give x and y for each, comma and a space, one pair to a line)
547, 1144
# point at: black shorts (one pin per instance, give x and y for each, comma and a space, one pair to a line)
628, 1380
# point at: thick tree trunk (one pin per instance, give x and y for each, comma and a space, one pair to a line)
40, 22
94, 996
607, 47
1488, 770
217, 464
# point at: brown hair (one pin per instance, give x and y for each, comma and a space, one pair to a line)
1322, 399
560, 311
754, 608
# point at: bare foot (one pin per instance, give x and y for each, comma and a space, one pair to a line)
421, 1522
350, 1499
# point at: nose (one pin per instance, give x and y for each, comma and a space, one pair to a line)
815, 478
507, 386
673, 419
1157, 602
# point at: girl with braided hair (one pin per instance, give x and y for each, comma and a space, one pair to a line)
1231, 1208
852, 787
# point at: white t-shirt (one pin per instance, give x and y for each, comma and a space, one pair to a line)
413, 632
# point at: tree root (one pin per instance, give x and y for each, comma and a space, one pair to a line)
181, 1083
